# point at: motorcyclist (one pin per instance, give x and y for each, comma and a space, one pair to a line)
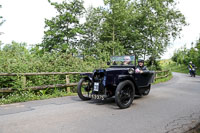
140, 67
191, 67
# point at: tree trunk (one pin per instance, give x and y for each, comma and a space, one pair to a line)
113, 39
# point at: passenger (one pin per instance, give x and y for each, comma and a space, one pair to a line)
127, 60
141, 68
114, 63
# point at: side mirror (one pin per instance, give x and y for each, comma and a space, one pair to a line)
108, 63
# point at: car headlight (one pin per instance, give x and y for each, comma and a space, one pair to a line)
131, 71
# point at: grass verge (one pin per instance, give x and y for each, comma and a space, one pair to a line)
23, 96
195, 130
174, 67
164, 79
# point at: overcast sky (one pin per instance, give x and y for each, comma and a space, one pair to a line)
25, 21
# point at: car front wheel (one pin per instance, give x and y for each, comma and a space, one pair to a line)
84, 89
124, 94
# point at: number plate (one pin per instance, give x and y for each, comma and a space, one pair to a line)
94, 96
96, 86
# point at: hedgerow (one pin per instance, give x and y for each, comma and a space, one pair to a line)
16, 58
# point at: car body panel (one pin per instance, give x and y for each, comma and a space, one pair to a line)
108, 79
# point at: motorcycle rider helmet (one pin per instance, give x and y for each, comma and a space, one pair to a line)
190, 62
140, 60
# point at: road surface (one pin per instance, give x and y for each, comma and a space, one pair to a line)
171, 107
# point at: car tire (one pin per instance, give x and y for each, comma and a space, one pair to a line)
80, 89
147, 90
124, 94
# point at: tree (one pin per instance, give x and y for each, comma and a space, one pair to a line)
184, 55
91, 31
143, 26
96, 40
114, 27
1, 20
198, 51
62, 30
158, 22
15, 48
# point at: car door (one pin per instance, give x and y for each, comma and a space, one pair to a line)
143, 79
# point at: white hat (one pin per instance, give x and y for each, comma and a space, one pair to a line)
127, 58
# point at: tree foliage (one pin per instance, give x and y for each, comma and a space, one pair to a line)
91, 32
1, 21
120, 27
16, 58
184, 55
62, 30
1, 18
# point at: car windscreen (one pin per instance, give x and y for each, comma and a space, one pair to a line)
122, 60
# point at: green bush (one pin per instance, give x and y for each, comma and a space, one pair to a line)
16, 58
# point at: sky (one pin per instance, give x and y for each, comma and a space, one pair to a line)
25, 21
190, 9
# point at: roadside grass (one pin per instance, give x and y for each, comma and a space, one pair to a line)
195, 130
170, 65
170, 76
23, 96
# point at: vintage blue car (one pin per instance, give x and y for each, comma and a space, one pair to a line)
120, 80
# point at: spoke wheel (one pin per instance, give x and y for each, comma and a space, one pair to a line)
124, 94
84, 89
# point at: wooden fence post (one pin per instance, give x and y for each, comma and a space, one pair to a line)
67, 82
23, 82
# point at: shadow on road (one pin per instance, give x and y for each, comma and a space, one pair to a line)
110, 102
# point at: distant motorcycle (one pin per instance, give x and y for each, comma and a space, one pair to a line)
192, 72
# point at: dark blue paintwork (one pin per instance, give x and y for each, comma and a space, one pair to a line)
109, 78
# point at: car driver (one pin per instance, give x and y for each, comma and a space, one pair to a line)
141, 68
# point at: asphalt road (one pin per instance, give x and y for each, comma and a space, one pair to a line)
171, 107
